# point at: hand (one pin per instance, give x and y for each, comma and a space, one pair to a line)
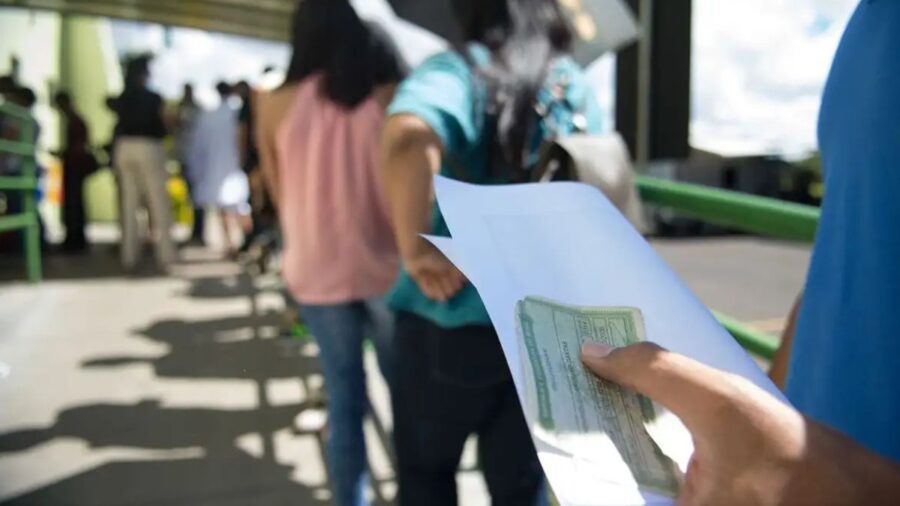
436, 276
749, 448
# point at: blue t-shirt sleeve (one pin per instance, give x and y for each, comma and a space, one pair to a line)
439, 92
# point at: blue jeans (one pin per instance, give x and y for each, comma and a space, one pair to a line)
339, 330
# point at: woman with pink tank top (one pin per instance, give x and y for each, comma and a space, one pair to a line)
318, 136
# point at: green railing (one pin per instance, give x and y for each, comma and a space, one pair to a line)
26, 182
741, 211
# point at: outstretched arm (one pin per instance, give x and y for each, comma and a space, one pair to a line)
411, 154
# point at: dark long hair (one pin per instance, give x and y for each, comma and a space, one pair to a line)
329, 37
523, 37
137, 70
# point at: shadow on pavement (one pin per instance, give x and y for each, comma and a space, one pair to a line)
100, 262
217, 287
240, 481
223, 348
221, 474
215, 471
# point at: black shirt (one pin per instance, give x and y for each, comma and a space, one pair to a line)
140, 114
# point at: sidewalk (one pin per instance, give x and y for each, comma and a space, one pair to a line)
153, 390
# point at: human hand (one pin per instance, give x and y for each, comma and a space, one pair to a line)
749, 448
436, 276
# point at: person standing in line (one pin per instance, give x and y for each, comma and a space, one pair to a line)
217, 179
78, 163
186, 121
140, 164
318, 136
468, 114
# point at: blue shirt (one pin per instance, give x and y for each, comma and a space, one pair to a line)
845, 368
444, 93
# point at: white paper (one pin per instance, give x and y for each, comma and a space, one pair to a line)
566, 242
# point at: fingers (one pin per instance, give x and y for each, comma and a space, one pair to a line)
689, 389
441, 286
431, 287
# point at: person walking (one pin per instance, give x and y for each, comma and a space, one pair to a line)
318, 138
78, 163
140, 164
469, 114
216, 176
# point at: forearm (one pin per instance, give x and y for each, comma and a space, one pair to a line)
836, 470
410, 155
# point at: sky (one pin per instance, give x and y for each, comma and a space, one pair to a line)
758, 67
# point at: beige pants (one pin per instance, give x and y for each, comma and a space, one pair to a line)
140, 167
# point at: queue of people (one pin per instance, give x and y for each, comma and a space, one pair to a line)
214, 148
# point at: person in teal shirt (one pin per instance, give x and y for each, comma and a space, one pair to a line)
446, 95
470, 115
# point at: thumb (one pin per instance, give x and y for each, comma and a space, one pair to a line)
687, 388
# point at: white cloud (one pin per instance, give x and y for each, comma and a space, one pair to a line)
758, 72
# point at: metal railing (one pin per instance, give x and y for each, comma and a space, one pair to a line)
749, 213
24, 181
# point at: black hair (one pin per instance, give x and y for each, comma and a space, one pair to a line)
24, 97
62, 99
242, 89
137, 69
329, 37
523, 37
224, 89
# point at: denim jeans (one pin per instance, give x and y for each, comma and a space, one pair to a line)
340, 330
449, 384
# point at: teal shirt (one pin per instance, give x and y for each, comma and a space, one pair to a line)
444, 93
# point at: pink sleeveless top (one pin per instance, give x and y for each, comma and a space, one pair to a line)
338, 242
